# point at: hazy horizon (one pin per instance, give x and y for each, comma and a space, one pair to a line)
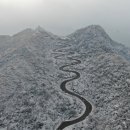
63, 17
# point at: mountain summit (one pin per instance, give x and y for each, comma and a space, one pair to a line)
90, 32
40, 29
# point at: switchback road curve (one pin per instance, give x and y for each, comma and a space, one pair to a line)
88, 106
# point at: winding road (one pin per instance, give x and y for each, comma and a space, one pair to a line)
88, 106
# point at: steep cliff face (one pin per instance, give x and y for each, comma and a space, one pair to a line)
30, 94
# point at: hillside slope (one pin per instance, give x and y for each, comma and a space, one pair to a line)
30, 94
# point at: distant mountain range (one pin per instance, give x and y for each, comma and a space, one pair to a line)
30, 94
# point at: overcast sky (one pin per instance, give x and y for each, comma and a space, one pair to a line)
65, 16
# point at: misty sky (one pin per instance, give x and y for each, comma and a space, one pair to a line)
65, 16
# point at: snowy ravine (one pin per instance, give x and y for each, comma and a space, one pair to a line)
30, 93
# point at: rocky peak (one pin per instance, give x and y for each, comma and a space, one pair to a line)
90, 32
40, 29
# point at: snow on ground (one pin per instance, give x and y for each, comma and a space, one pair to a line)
30, 94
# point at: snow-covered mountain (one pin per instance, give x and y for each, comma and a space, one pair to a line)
30, 94
94, 38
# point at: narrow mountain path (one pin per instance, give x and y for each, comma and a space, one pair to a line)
88, 106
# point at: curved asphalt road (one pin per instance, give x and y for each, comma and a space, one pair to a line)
88, 106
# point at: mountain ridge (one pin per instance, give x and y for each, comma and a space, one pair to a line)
30, 78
